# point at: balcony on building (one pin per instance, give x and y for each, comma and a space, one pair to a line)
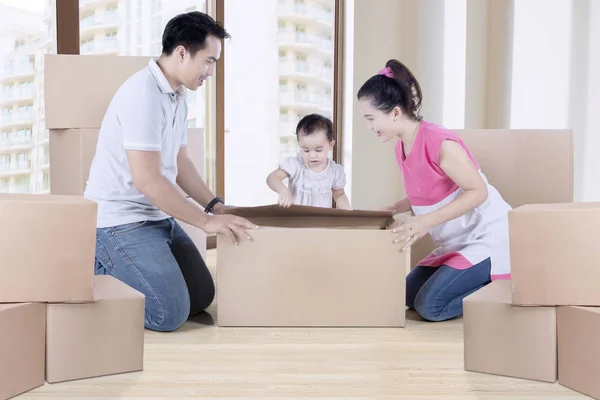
306, 13
305, 102
43, 162
19, 95
15, 168
14, 143
16, 119
306, 71
17, 71
101, 46
99, 22
91, 4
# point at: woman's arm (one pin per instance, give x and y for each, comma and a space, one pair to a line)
455, 162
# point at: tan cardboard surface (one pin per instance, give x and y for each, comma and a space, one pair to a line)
72, 152
71, 155
67, 105
505, 340
553, 248
296, 277
526, 166
100, 338
47, 248
22, 348
579, 349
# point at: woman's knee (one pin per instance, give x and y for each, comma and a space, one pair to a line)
428, 312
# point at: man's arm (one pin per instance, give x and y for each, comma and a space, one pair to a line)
191, 182
148, 179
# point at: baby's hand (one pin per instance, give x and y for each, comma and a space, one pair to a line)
285, 198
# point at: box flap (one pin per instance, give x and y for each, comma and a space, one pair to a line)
314, 217
43, 198
557, 207
79, 88
108, 287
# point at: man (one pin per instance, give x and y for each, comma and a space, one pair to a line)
140, 156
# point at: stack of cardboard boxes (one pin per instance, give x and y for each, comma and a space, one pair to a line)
536, 325
78, 90
57, 321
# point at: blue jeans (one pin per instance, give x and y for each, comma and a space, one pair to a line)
436, 293
158, 259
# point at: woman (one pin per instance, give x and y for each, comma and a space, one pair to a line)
448, 194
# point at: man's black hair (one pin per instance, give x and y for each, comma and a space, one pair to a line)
190, 30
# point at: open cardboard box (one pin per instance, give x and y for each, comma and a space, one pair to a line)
310, 266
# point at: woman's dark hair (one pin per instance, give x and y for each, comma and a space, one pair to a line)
190, 30
312, 123
394, 86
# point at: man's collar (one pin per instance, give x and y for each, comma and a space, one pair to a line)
161, 80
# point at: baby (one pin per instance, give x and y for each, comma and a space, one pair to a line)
314, 178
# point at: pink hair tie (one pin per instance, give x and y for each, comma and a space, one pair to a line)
387, 71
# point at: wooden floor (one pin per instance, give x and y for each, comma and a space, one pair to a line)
422, 361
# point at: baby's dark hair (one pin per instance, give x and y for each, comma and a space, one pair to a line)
394, 86
312, 123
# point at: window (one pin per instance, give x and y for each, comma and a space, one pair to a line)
283, 84
156, 6
283, 115
252, 105
156, 49
191, 123
156, 27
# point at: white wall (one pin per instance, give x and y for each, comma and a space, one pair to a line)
502, 64
375, 178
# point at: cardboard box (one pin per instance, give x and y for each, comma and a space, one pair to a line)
67, 105
47, 248
100, 338
71, 155
553, 248
72, 152
579, 349
312, 267
526, 166
506, 340
22, 348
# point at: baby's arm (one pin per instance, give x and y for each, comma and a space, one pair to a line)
275, 182
341, 200
339, 196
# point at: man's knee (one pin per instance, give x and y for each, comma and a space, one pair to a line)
203, 298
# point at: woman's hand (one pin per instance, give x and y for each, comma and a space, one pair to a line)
412, 230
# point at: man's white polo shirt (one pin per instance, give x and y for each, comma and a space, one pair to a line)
145, 114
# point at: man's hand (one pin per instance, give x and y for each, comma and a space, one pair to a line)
229, 225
